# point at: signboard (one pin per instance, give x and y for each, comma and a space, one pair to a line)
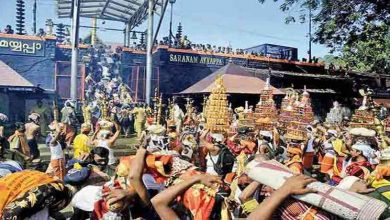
14, 46
197, 59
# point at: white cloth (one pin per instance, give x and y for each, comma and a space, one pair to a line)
347, 182
56, 151
210, 164
85, 198
345, 204
41, 215
111, 158
366, 149
310, 147
4, 172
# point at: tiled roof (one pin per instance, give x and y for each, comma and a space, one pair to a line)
236, 80
10, 78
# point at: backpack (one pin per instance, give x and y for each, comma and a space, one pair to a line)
225, 162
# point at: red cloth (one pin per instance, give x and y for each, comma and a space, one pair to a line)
293, 209
355, 169
247, 147
152, 166
153, 162
197, 201
101, 207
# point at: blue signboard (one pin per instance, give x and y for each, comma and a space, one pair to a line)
13, 46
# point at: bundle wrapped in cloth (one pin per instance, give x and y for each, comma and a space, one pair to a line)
345, 204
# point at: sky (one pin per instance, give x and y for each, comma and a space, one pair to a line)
239, 23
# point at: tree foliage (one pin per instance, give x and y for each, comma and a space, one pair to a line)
357, 28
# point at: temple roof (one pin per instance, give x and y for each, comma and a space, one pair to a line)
10, 78
236, 79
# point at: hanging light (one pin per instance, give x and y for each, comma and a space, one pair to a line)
134, 36
172, 1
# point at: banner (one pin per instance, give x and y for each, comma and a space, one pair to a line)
14, 46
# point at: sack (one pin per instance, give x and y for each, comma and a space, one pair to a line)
77, 177
225, 162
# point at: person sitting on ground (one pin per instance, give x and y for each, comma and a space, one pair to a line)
88, 169
81, 141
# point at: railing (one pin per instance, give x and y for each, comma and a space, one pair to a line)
228, 55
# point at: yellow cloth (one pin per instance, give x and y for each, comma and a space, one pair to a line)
338, 146
80, 145
380, 183
16, 184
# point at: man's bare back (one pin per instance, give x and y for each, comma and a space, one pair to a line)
32, 131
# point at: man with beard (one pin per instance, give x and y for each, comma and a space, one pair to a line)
32, 133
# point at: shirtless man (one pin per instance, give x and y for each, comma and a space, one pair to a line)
32, 134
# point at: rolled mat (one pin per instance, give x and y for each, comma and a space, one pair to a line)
345, 204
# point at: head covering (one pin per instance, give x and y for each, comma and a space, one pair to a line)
3, 118
365, 148
362, 132
34, 117
309, 128
69, 103
332, 132
266, 134
315, 122
217, 137
347, 182
86, 125
52, 126
156, 129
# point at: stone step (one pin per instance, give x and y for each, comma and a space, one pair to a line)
118, 152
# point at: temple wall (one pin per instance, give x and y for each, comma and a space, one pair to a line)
30, 56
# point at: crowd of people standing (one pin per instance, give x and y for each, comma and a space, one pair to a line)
182, 170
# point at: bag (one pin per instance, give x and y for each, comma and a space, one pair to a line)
225, 162
77, 177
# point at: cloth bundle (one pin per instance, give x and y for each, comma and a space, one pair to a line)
345, 204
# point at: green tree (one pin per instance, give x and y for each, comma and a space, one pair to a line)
351, 27
369, 55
